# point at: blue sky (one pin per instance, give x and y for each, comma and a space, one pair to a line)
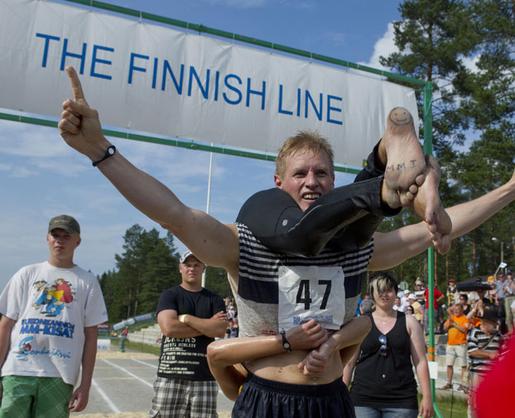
41, 177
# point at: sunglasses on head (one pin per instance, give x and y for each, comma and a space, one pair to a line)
383, 349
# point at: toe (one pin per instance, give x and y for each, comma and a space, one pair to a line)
413, 189
405, 200
409, 197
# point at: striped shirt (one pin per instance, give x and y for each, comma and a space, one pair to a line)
258, 291
479, 340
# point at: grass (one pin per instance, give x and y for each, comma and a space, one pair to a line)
452, 407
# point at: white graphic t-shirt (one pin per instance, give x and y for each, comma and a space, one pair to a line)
51, 307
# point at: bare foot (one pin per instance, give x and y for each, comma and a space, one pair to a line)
401, 153
428, 206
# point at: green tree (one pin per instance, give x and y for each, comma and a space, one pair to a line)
216, 281
113, 295
465, 48
147, 266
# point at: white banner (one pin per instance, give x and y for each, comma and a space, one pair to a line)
151, 78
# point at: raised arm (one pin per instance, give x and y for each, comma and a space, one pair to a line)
214, 243
393, 248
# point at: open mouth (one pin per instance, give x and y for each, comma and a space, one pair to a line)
311, 196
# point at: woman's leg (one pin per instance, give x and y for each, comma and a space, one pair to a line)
367, 412
350, 214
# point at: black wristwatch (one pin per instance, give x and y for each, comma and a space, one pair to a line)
286, 344
110, 151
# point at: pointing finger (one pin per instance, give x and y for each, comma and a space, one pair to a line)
78, 94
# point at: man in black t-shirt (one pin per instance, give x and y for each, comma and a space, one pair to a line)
190, 317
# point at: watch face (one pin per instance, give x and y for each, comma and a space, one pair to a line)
111, 150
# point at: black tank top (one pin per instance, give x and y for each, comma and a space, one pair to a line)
385, 380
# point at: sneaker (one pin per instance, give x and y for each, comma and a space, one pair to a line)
447, 386
464, 389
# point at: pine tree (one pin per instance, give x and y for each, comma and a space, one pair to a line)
465, 48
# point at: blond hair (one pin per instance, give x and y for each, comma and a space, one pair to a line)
303, 141
382, 282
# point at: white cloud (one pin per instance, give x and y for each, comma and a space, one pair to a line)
30, 151
22, 140
383, 47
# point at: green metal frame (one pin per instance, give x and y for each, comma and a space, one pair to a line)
426, 88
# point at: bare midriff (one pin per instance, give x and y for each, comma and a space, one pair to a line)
284, 368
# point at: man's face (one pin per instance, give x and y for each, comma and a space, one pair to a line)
306, 177
191, 271
62, 244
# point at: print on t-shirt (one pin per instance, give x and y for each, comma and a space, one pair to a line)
50, 299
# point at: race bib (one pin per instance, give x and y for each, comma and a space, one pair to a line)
311, 292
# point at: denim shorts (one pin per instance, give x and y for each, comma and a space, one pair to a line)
368, 412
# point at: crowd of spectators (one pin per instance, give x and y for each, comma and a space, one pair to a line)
474, 322
232, 318
498, 291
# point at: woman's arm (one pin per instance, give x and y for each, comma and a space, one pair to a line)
224, 356
418, 356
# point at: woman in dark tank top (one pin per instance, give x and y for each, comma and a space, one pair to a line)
384, 385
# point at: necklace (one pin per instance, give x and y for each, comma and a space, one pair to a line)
384, 320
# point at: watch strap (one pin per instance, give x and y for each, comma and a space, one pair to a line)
286, 344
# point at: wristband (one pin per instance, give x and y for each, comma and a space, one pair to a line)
110, 151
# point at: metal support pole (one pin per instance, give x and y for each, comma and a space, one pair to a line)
208, 201
428, 149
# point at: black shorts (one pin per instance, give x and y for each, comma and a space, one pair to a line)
261, 398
